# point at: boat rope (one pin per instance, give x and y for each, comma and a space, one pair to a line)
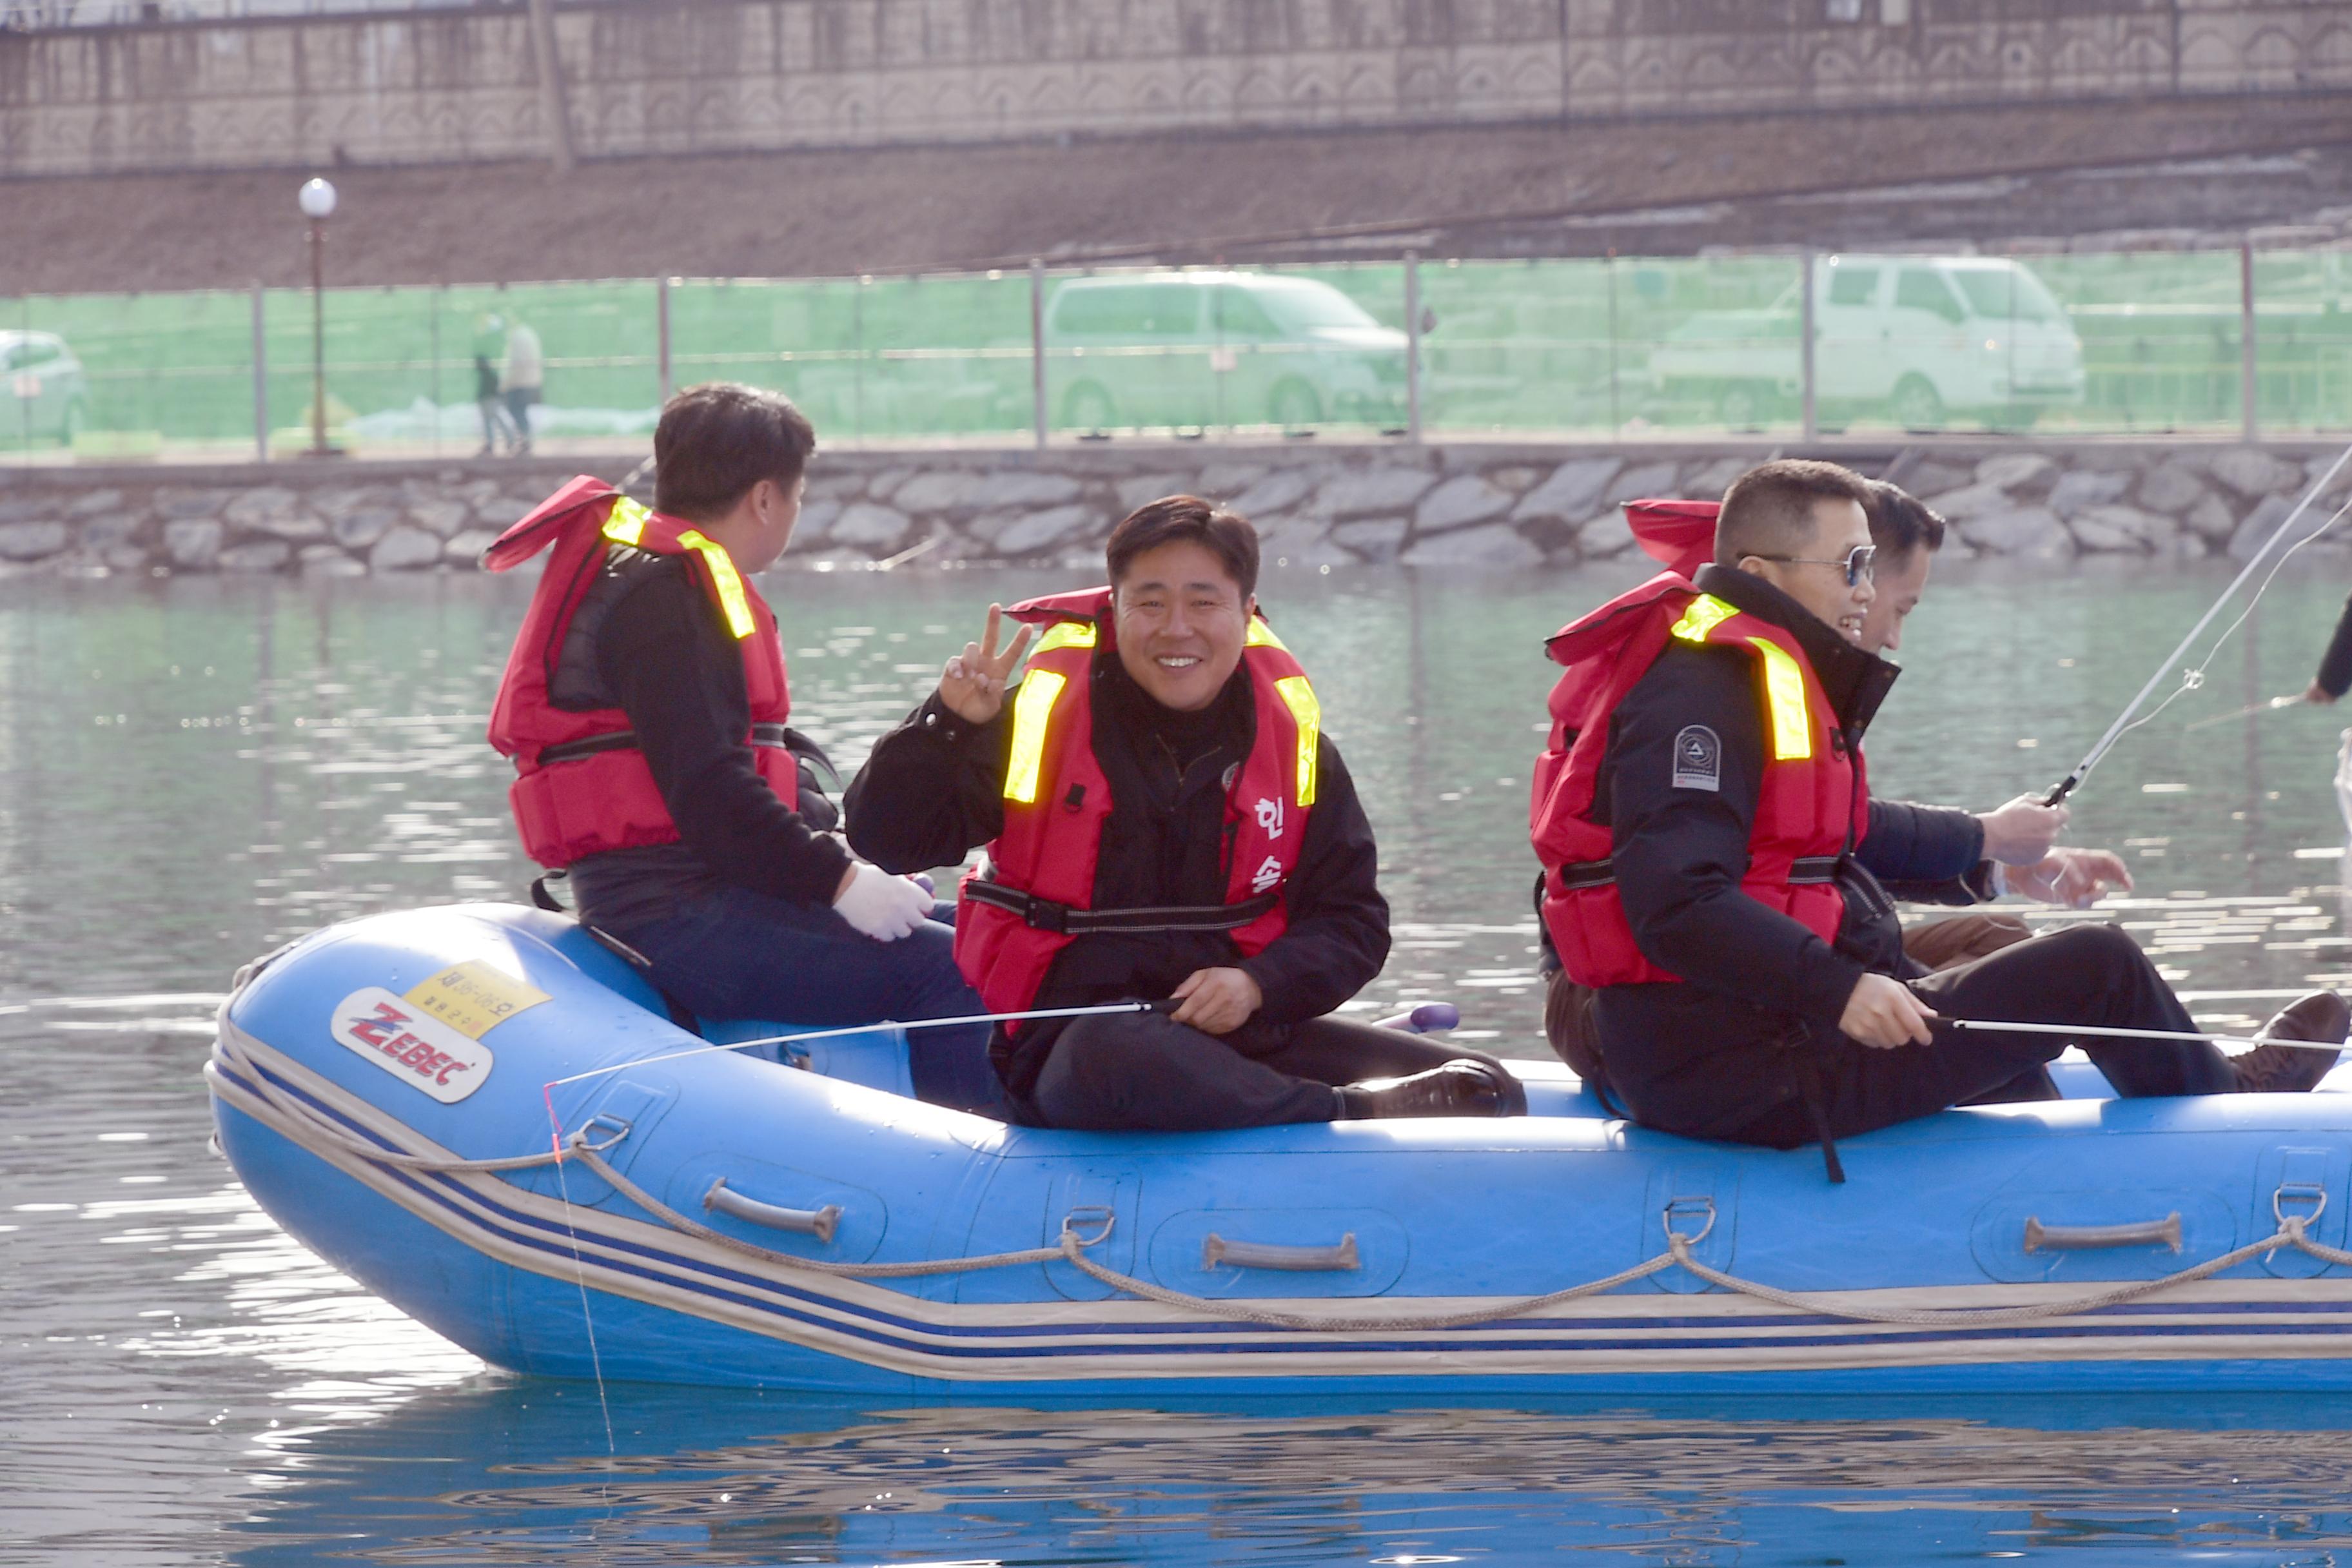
318, 1124
1088, 1229
2193, 679
1678, 1254
592, 1157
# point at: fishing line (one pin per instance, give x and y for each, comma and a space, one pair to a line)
563, 1187
2266, 705
2193, 678
587, 1317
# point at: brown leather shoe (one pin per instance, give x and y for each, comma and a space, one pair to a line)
1459, 1088
2276, 1068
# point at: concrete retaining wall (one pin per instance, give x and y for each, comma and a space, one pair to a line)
1486, 507
656, 76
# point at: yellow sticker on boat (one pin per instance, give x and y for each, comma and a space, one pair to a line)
474, 998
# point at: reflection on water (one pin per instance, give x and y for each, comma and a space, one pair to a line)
743, 1481
193, 772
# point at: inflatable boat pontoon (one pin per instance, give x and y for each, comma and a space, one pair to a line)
395, 1091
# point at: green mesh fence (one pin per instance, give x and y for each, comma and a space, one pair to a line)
2303, 335
866, 359
2144, 342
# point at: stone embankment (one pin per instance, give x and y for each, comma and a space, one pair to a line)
1491, 506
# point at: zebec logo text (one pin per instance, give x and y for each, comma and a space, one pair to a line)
411, 1045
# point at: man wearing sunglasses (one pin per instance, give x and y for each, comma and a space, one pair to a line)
1697, 814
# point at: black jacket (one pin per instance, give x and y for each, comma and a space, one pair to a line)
646, 639
933, 790
1697, 1057
2334, 676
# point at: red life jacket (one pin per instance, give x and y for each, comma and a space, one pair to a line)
584, 786
1812, 807
1035, 894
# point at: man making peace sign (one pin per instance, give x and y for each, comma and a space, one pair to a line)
1167, 823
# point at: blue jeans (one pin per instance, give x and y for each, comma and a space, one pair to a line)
734, 954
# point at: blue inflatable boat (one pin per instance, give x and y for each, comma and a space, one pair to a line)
485, 1117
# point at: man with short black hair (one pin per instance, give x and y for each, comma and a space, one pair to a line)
644, 708
1168, 823
1697, 814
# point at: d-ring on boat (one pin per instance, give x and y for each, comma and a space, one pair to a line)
485, 1116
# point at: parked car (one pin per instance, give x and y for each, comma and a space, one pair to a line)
1917, 338
1218, 348
45, 391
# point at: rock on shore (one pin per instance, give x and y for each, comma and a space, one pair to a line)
1488, 508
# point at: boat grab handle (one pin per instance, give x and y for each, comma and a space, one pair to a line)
2039, 1237
818, 1223
1216, 1249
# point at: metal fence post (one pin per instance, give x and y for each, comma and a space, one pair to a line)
661, 353
1616, 414
261, 383
1413, 347
1812, 423
439, 298
1037, 348
2249, 387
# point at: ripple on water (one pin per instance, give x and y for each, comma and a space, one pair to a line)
198, 771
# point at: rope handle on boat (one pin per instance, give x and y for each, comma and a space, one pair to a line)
1076, 1238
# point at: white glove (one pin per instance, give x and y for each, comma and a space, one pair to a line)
884, 907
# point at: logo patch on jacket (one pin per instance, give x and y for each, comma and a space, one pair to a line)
1699, 759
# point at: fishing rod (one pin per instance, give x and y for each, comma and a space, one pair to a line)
2073, 780
1429, 1018
2108, 1031
866, 1029
2266, 705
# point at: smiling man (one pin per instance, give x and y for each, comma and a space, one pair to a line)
1166, 822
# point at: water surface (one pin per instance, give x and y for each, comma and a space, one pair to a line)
194, 770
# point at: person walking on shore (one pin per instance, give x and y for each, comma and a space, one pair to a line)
520, 382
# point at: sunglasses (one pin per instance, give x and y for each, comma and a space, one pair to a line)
1860, 564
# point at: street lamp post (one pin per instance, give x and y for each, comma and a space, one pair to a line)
318, 201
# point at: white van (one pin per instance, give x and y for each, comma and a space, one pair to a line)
1916, 339
1218, 348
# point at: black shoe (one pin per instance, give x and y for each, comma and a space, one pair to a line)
2277, 1068
1459, 1088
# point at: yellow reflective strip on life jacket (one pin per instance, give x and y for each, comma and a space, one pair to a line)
1300, 698
1706, 613
1262, 636
1784, 694
1068, 634
626, 522
731, 597
1033, 706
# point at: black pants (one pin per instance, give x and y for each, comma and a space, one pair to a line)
1144, 1072
2083, 974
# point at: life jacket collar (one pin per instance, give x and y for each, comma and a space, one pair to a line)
1854, 682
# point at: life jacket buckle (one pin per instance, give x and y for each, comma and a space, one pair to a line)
1046, 915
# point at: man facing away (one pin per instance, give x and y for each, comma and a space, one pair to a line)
1698, 814
1166, 822
644, 707
519, 379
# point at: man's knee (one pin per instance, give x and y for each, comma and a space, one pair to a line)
1099, 1066
2102, 948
